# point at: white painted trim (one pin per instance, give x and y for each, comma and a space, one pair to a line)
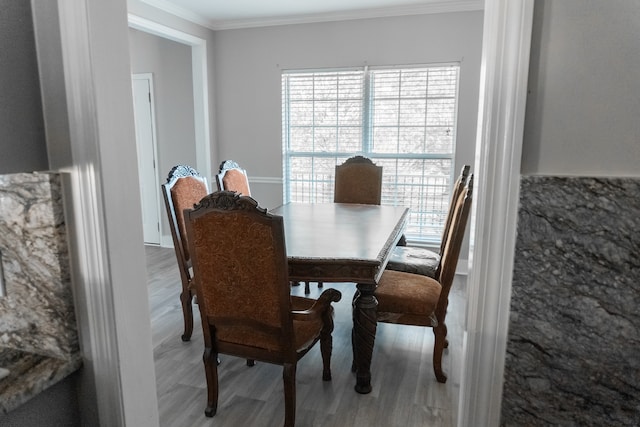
503, 85
266, 180
154, 137
106, 232
166, 241
436, 6
200, 84
92, 277
463, 267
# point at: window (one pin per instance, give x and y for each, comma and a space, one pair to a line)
404, 119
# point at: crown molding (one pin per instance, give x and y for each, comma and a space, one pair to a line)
437, 6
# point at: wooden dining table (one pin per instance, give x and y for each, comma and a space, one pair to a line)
344, 242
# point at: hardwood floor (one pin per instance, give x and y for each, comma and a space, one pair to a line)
405, 391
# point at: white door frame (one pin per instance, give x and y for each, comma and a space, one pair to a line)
503, 92
95, 67
154, 149
200, 76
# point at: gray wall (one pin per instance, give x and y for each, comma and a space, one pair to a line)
141, 9
583, 107
21, 123
170, 64
249, 63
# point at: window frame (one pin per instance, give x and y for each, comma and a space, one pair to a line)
366, 139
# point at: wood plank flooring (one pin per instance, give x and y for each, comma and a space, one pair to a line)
405, 391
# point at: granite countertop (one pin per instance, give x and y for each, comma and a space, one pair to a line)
30, 374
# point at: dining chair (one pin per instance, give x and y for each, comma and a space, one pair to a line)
231, 177
183, 189
419, 260
414, 299
358, 180
243, 293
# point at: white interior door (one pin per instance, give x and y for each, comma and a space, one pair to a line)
146, 147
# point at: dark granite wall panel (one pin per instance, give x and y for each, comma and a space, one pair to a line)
573, 351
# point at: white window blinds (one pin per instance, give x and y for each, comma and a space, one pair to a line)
404, 119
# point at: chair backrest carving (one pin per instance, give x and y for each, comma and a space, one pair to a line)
358, 180
231, 177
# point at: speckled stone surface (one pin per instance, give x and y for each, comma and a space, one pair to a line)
573, 351
37, 311
38, 332
31, 374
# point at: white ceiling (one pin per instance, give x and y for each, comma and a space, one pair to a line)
227, 14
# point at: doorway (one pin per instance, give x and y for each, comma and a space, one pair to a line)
171, 148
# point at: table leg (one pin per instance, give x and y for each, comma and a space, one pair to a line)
364, 334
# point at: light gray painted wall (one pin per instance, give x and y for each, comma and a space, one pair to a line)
138, 8
583, 108
21, 124
249, 63
170, 64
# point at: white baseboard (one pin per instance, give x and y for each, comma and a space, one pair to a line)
166, 241
463, 267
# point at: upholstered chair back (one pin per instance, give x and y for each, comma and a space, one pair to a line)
358, 180
453, 244
231, 177
183, 189
241, 266
186, 193
458, 185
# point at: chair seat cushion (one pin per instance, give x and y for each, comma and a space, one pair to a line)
305, 332
407, 298
411, 259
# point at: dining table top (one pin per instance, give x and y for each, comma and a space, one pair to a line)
340, 242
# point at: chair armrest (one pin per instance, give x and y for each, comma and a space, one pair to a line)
319, 307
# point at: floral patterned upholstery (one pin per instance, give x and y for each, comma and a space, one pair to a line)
183, 189
231, 177
358, 180
186, 193
241, 273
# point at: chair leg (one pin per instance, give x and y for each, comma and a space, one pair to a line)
320, 285
187, 313
307, 290
289, 377
251, 362
210, 360
440, 333
326, 344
